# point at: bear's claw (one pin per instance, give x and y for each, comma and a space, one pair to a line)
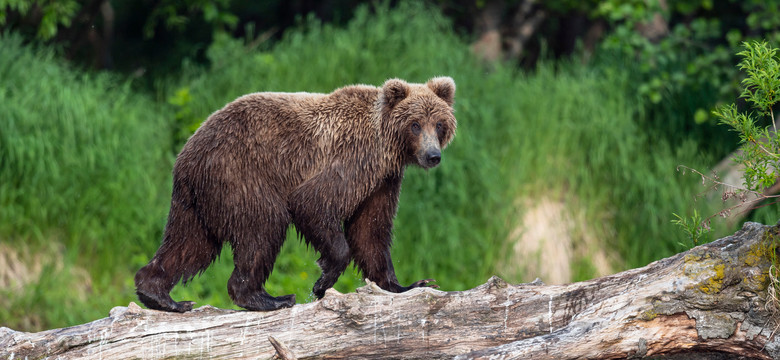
265, 302
155, 303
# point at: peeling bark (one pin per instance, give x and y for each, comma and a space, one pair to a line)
711, 299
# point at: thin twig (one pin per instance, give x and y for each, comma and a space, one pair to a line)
282, 351
760, 196
763, 148
772, 301
717, 182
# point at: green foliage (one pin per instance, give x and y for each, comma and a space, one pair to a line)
685, 59
695, 228
173, 14
693, 56
761, 88
84, 164
176, 14
54, 13
764, 16
762, 85
185, 122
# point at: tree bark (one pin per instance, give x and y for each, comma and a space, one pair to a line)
712, 299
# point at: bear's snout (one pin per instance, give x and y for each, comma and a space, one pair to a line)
429, 152
433, 157
429, 156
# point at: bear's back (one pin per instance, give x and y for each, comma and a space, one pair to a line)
295, 134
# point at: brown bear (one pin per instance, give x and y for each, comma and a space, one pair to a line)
331, 164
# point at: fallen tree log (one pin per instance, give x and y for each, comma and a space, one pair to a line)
712, 299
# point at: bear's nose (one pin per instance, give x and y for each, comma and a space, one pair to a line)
433, 157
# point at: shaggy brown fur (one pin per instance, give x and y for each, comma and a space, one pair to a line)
331, 164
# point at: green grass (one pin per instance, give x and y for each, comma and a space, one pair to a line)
83, 181
86, 160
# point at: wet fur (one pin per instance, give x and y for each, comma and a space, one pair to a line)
331, 164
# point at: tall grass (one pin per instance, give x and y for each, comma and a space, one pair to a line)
83, 164
86, 161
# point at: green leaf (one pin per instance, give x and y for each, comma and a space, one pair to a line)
701, 116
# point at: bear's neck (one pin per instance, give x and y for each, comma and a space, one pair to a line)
394, 152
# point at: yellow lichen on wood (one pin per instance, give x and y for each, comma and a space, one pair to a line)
757, 280
755, 254
648, 315
714, 284
706, 270
762, 251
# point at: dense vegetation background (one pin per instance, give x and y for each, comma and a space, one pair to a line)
592, 127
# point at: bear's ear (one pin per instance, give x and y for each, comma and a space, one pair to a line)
394, 90
443, 87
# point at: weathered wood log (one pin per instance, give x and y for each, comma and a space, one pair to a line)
712, 299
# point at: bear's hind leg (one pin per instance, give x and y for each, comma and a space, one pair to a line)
154, 290
254, 255
186, 251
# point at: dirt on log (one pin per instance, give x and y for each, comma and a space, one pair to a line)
713, 299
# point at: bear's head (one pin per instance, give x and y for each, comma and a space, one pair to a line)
422, 116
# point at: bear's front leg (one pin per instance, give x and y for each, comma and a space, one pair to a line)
329, 241
369, 234
333, 261
315, 212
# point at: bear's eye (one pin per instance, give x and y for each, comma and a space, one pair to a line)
416, 128
440, 129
